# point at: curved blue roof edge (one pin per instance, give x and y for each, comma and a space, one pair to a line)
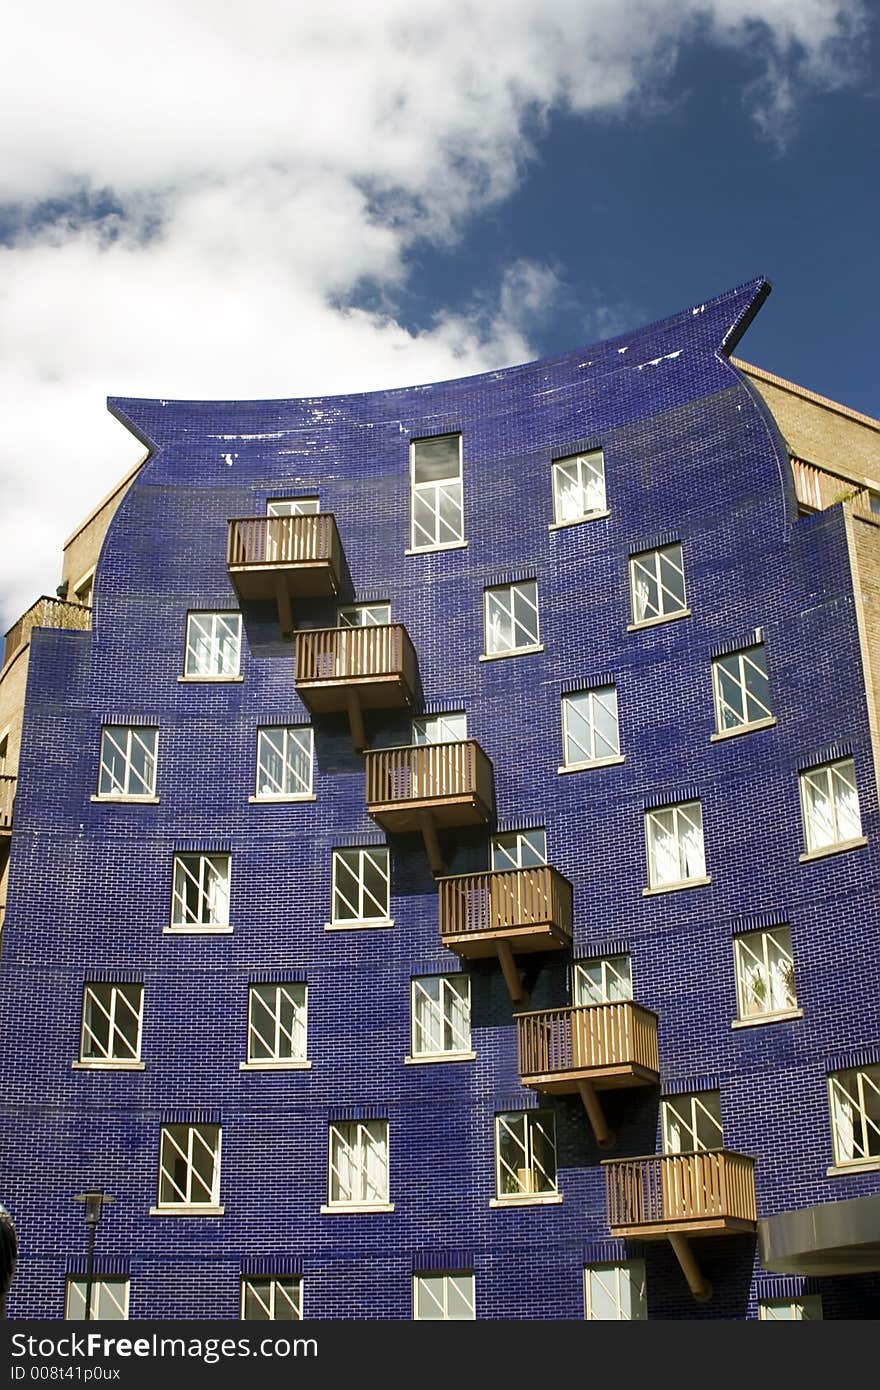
715, 325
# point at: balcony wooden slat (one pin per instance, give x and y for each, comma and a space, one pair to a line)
610, 1045
531, 909
693, 1194
301, 553
453, 782
379, 662
7, 796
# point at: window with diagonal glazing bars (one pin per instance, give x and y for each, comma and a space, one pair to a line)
361, 882
200, 896
511, 618
674, 840
525, 1153
277, 1022
128, 761
854, 1098
578, 487
742, 690
358, 1162
657, 584
213, 644
830, 805
590, 730
444, 1297
189, 1166
111, 1022
271, 1299
441, 1014
437, 516
285, 758
109, 1300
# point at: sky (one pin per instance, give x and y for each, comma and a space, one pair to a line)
201, 199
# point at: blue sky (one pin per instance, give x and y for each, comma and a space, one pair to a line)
201, 199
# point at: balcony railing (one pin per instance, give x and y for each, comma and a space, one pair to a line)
686, 1193
429, 786
356, 668
505, 911
285, 557
818, 490
610, 1045
46, 612
7, 796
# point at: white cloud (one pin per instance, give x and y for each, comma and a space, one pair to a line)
256, 164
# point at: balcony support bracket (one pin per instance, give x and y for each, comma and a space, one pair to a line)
698, 1285
282, 598
355, 720
604, 1136
432, 844
511, 973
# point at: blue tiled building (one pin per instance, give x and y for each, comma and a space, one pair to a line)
427, 743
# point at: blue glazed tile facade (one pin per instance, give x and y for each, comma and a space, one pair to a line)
692, 457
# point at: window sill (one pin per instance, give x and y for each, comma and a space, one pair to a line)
279, 800
291, 1065
598, 762
197, 931
359, 926
186, 1211
839, 848
767, 1018
743, 729
127, 800
440, 1057
528, 1199
434, 549
578, 520
108, 1066
354, 1208
655, 622
677, 887
514, 651
848, 1170
208, 680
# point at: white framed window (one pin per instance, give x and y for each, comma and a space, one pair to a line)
444, 1297
806, 1308
271, 1299
764, 973
854, 1102
691, 1123
741, 690
364, 615
200, 895
440, 728
128, 762
615, 1293
109, 1299
189, 1167
111, 1022
213, 645
441, 1015
656, 579
520, 849
830, 805
285, 760
510, 616
361, 886
605, 980
590, 728
525, 1154
579, 487
674, 843
437, 513
277, 1018
358, 1164
293, 506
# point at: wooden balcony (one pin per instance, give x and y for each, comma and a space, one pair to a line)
285, 558
356, 668
596, 1047
679, 1196
505, 911
46, 612
7, 796
430, 786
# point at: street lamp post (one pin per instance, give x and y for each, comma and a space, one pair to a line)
93, 1205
